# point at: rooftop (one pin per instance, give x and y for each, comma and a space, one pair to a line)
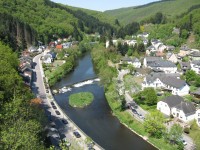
173, 100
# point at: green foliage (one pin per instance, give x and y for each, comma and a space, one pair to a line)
192, 78
169, 8
174, 134
21, 122
186, 59
195, 134
153, 124
81, 99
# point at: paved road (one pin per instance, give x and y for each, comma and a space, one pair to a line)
64, 130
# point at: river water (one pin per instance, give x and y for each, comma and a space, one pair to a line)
96, 120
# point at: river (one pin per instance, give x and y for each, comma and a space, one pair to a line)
96, 120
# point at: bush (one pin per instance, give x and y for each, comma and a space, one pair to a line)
187, 130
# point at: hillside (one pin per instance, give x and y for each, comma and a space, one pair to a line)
51, 20
170, 8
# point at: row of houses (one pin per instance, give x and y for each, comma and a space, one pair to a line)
25, 67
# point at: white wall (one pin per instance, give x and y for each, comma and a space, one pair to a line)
195, 68
180, 115
164, 108
137, 64
197, 116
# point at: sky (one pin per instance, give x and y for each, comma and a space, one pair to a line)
102, 5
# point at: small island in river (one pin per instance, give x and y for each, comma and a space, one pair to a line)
81, 99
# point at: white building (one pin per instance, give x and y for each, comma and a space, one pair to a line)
166, 104
176, 106
135, 62
168, 82
195, 66
184, 111
159, 64
197, 117
47, 59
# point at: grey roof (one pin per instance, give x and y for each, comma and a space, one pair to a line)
174, 82
196, 62
150, 59
195, 54
173, 100
151, 47
168, 79
161, 63
186, 107
185, 48
136, 60
185, 65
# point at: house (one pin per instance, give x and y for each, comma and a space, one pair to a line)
172, 57
196, 93
197, 117
32, 49
169, 82
170, 48
195, 55
115, 42
131, 42
135, 62
149, 60
143, 35
185, 66
59, 47
176, 106
47, 59
53, 54
26, 60
159, 63
184, 51
195, 66
184, 111
67, 45
166, 104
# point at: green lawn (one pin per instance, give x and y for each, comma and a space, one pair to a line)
195, 134
81, 99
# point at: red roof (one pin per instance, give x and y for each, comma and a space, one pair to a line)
59, 46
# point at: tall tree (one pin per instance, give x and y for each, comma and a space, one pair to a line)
154, 124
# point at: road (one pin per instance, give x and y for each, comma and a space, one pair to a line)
64, 130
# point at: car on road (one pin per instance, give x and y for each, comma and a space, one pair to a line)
54, 107
77, 134
184, 142
57, 112
64, 121
134, 111
52, 103
47, 91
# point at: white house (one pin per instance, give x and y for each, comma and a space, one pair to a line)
166, 81
115, 42
172, 57
47, 59
176, 106
159, 64
166, 104
135, 62
195, 66
197, 117
184, 111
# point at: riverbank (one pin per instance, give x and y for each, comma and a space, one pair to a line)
101, 56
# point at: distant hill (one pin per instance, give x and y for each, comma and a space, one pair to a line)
170, 8
50, 20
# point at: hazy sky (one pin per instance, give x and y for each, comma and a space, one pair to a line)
102, 5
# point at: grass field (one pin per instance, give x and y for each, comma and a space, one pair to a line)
81, 99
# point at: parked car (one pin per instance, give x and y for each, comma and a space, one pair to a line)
57, 112
54, 107
64, 121
134, 111
184, 142
77, 135
47, 91
52, 103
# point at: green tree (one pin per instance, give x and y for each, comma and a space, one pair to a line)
141, 47
154, 124
175, 133
150, 96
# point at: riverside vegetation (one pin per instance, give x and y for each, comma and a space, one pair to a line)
81, 99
